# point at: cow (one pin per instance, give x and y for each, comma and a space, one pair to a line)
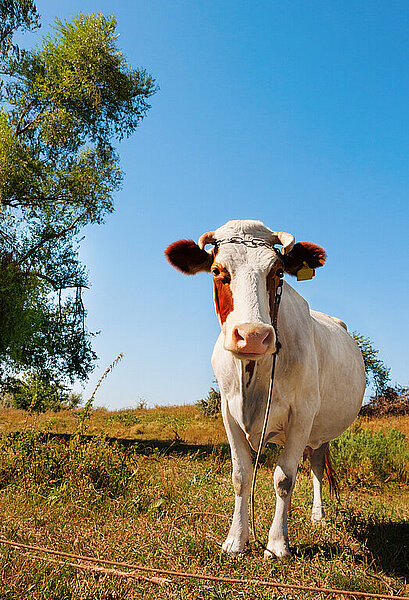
320, 376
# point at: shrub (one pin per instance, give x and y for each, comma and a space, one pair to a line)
211, 405
364, 457
91, 469
37, 394
124, 418
393, 401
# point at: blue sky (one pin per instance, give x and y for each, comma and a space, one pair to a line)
294, 113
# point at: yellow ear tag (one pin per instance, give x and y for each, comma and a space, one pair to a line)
305, 273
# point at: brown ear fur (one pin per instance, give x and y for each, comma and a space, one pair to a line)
186, 256
302, 252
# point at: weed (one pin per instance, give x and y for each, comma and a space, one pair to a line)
211, 405
124, 418
366, 458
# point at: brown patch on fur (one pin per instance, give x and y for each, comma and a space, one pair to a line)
250, 370
304, 252
223, 297
186, 256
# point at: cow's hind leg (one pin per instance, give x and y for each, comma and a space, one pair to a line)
317, 471
241, 474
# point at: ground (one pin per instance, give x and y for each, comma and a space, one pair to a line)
167, 503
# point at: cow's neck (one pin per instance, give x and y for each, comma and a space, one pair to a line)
255, 379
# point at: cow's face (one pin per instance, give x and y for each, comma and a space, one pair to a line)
245, 274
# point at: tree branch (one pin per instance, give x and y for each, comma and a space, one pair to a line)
57, 285
53, 236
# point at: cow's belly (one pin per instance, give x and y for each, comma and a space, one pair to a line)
341, 381
339, 406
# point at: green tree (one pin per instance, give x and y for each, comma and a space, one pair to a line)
64, 105
375, 369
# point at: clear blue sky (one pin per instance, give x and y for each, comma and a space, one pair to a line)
294, 113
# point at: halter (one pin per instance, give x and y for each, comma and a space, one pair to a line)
249, 242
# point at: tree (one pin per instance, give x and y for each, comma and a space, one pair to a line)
63, 106
374, 367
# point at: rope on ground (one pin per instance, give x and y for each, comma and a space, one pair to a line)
103, 570
171, 573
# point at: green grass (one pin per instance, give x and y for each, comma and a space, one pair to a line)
370, 458
171, 510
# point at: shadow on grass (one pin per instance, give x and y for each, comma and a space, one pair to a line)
387, 541
146, 447
325, 550
165, 447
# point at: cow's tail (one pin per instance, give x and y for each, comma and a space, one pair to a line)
331, 474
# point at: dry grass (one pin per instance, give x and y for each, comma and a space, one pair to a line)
378, 423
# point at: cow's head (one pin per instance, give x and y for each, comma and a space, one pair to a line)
246, 269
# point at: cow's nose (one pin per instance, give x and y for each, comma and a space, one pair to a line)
250, 338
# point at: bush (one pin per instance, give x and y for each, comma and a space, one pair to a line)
91, 469
211, 405
365, 458
37, 394
393, 401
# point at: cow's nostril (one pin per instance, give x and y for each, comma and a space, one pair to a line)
237, 335
268, 338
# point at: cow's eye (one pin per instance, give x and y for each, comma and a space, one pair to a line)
216, 272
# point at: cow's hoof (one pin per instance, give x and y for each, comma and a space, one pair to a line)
233, 547
318, 520
279, 550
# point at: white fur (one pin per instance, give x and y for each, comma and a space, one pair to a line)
318, 389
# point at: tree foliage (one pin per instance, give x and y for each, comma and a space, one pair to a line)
375, 369
64, 104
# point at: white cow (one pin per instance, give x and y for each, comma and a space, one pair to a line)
320, 375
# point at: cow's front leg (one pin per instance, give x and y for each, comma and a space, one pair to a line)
242, 471
284, 479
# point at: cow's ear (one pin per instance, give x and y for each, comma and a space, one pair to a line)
186, 256
304, 254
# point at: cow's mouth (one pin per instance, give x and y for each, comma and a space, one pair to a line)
250, 355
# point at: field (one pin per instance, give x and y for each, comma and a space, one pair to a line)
161, 495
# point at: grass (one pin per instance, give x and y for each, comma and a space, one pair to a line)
170, 508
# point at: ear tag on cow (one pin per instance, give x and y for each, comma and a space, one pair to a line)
305, 273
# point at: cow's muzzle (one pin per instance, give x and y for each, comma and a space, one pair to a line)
250, 341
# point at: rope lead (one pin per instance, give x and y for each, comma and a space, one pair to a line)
277, 299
